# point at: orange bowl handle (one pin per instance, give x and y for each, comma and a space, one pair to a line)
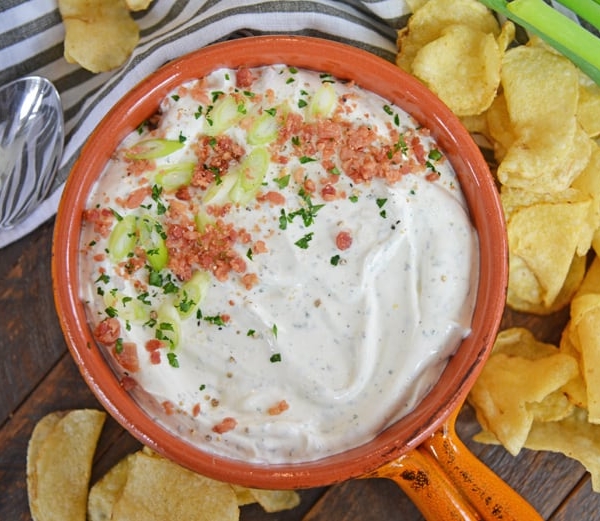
448, 483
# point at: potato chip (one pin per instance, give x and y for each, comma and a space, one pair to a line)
541, 89
105, 493
588, 106
545, 232
574, 389
60, 465
547, 162
429, 21
525, 293
573, 436
275, 500
137, 5
461, 66
99, 36
158, 489
508, 386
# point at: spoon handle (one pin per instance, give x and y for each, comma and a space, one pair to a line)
448, 483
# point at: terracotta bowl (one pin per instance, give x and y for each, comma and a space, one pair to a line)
372, 73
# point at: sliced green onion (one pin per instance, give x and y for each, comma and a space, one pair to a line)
173, 177
191, 293
250, 174
224, 114
589, 11
565, 35
153, 243
168, 327
264, 129
153, 148
122, 239
322, 102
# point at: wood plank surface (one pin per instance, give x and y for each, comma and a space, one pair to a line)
38, 376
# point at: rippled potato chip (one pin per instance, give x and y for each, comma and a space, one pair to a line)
59, 463
461, 66
99, 36
550, 148
429, 21
137, 5
515, 389
588, 107
545, 233
105, 492
158, 489
115, 496
584, 334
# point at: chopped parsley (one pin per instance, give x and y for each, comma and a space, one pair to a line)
304, 241
276, 357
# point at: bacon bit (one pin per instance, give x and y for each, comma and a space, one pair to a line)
244, 236
135, 198
218, 210
137, 167
199, 93
107, 332
328, 192
128, 358
155, 357
278, 408
101, 218
259, 247
99, 257
309, 186
128, 383
272, 197
418, 149
244, 78
228, 424
343, 240
153, 344
168, 407
196, 410
249, 280
215, 154
183, 193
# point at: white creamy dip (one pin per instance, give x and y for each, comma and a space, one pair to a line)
291, 305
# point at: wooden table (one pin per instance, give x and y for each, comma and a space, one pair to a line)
38, 376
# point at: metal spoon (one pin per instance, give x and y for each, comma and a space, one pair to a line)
31, 145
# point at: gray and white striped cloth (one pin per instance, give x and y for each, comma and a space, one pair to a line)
32, 34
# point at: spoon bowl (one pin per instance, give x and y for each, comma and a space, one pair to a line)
31, 145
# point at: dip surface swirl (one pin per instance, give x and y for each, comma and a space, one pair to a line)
280, 261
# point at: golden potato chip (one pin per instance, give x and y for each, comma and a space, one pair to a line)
105, 493
546, 237
428, 21
546, 162
158, 489
508, 386
99, 36
573, 436
275, 500
137, 5
60, 466
588, 106
525, 293
541, 90
588, 182
499, 127
461, 66
574, 389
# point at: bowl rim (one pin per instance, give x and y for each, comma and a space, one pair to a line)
376, 74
